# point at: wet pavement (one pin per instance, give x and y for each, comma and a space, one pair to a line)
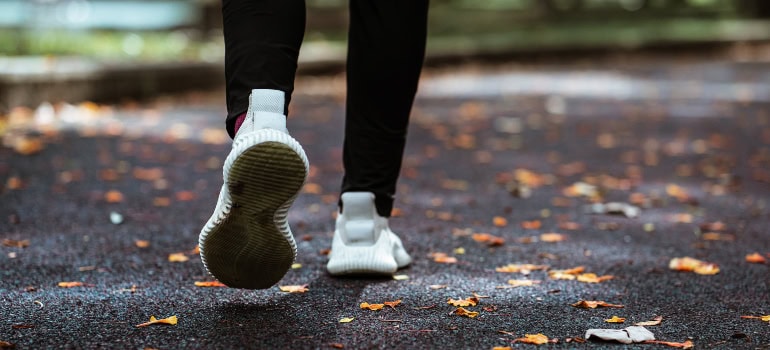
107, 193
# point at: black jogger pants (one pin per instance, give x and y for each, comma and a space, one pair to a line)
386, 48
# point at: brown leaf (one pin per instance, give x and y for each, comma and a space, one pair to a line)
654, 322
523, 283
337, 345
716, 236
172, 320
470, 301
694, 265
372, 307
185, 196
113, 196
392, 304
302, 288
16, 244
520, 268
537, 339
71, 284
531, 225
615, 319
592, 304
443, 258
177, 257
491, 240
142, 243
568, 274
686, 345
500, 221
7, 345
463, 312
593, 278
756, 258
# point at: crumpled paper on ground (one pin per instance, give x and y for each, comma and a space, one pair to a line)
628, 335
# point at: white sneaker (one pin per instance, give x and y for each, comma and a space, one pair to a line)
247, 242
363, 243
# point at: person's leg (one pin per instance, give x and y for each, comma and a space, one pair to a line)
247, 242
386, 48
262, 42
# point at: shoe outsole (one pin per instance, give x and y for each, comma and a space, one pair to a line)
251, 245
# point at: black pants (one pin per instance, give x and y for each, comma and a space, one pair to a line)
386, 48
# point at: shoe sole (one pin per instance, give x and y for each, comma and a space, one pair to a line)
252, 247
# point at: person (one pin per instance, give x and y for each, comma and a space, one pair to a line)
247, 242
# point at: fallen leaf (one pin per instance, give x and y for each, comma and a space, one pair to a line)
177, 257
196, 250
184, 196
337, 345
443, 258
301, 288
537, 339
463, 312
113, 196
583, 189
523, 283
7, 345
686, 345
71, 284
531, 225
142, 243
615, 319
16, 244
765, 318
628, 335
372, 307
694, 265
569, 225
209, 284
400, 277
654, 322
470, 301
489, 239
552, 237
713, 226
756, 258
499, 221
347, 319
716, 236
568, 274
501, 348
168, 320
593, 278
520, 268
592, 304
295, 266
677, 192
392, 304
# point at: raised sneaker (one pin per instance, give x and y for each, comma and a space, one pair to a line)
247, 242
363, 242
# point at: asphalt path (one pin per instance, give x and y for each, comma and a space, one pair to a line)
116, 189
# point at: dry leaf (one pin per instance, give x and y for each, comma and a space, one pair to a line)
470, 301
177, 257
400, 277
337, 345
372, 307
677, 192
537, 339
71, 284
209, 284
437, 286
593, 278
694, 265
552, 237
169, 320
16, 244
443, 258
686, 345
756, 258
615, 319
301, 288
523, 283
654, 322
716, 236
142, 243
521, 268
392, 304
7, 345
196, 250
463, 312
592, 304
568, 274
113, 196
501, 348
185, 196
531, 225
489, 239
499, 221
765, 318
346, 319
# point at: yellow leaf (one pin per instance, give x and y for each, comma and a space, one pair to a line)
346, 319
654, 322
70, 284
536, 339
177, 257
552, 237
169, 320
592, 304
372, 307
593, 278
501, 348
689, 264
463, 312
296, 266
400, 277
765, 318
523, 283
520, 268
302, 288
470, 301
615, 319
209, 284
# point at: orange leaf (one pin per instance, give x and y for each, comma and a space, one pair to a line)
552, 237
113, 196
443, 258
294, 288
16, 244
686, 345
392, 304
568, 274
372, 307
523, 283
765, 318
694, 265
177, 257
615, 319
209, 284
489, 239
537, 339
593, 278
654, 322
569, 225
499, 221
756, 258
501, 348
531, 225
184, 196
337, 345
161, 201
592, 304
168, 320
142, 243
470, 301
715, 236
463, 312
312, 188
71, 284
520, 268
677, 192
